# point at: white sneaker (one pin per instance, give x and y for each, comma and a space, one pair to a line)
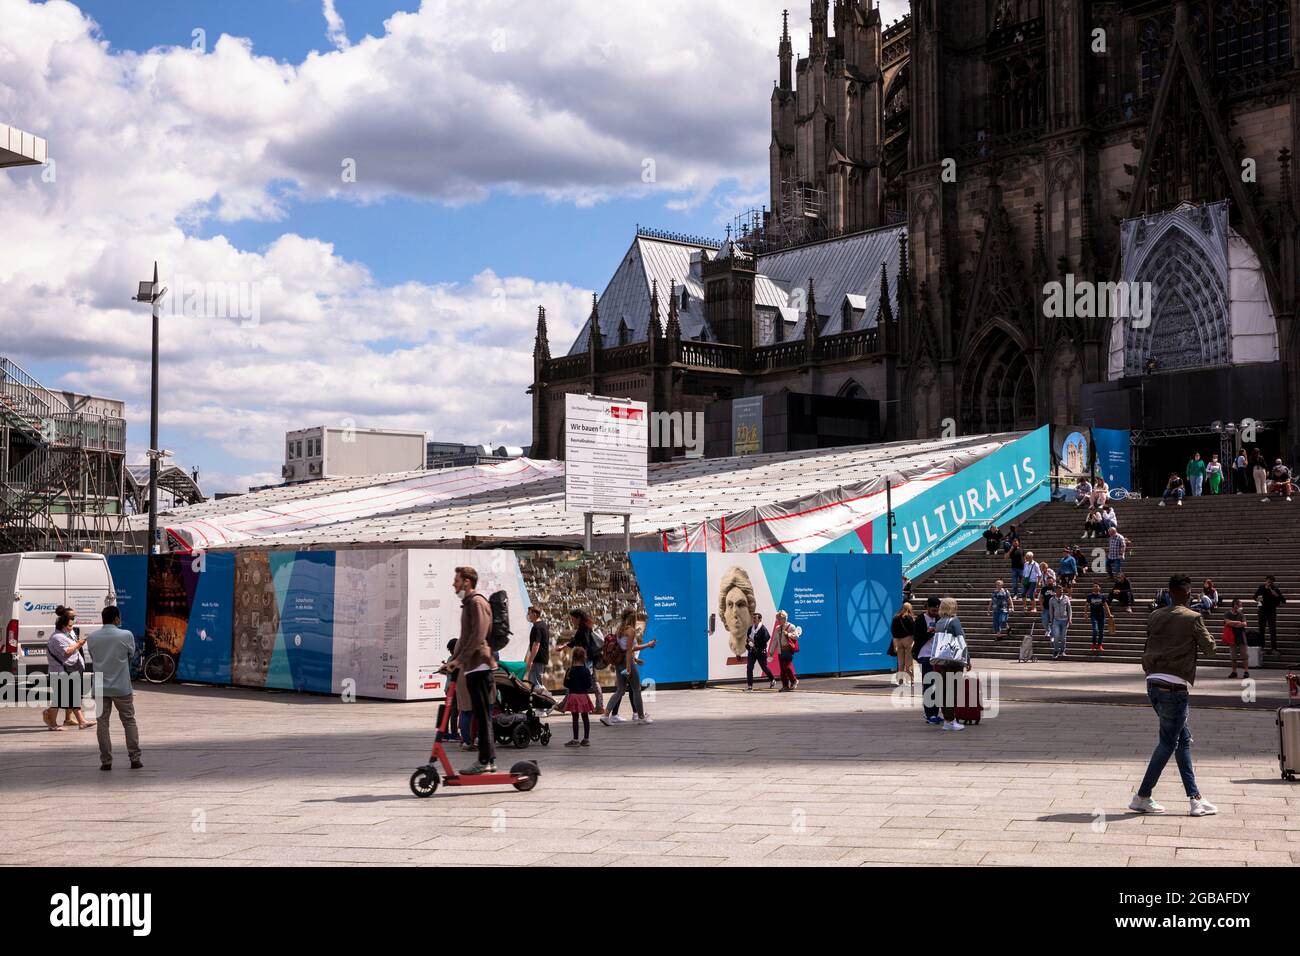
1162, 504
609, 719
643, 720
1180, 502
1145, 805
1202, 808
957, 725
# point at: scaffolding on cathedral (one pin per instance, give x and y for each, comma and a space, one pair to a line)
62, 474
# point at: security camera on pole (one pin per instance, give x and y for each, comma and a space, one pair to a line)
153, 292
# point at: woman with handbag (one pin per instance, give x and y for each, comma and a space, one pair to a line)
66, 665
949, 660
787, 646
902, 630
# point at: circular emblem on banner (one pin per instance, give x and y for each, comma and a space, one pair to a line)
869, 612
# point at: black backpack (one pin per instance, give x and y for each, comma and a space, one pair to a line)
499, 636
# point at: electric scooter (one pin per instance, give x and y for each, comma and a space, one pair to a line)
424, 781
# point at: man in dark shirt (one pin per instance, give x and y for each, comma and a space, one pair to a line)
539, 647
1268, 596
756, 642
1017, 558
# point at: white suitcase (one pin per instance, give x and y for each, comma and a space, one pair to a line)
1288, 746
1255, 657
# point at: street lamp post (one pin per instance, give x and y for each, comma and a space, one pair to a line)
153, 292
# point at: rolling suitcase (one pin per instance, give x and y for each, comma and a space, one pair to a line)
969, 707
1027, 647
1288, 748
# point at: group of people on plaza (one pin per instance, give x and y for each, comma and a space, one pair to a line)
109, 651
936, 641
1249, 470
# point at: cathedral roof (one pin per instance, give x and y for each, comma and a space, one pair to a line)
839, 268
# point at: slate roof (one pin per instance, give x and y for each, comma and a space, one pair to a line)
840, 268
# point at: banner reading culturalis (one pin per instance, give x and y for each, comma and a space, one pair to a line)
950, 516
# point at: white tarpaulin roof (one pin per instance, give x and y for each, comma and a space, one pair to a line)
525, 499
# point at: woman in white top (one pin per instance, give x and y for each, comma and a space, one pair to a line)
1033, 574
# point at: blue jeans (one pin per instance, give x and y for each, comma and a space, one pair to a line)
1175, 738
1000, 621
536, 672
1114, 566
1196, 481
1017, 581
1058, 636
1173, 493
1098, 622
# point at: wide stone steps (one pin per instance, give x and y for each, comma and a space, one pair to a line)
1235, 540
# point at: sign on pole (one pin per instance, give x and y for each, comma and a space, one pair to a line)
606, 450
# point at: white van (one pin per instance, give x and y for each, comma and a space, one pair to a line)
32, 585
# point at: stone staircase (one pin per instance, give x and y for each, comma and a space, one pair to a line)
1233, 539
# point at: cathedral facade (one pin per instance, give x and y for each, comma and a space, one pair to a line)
962, 203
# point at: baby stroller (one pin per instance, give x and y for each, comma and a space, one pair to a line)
517, 718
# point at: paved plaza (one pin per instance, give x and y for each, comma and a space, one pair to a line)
835, 774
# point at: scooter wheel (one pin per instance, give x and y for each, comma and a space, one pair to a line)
424, 782
520, 736
528, 772
545, 738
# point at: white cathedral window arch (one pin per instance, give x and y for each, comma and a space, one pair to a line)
1209, 301
1189, 322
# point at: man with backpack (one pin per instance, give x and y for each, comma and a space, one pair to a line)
473, 663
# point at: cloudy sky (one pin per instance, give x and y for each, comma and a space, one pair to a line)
358, 204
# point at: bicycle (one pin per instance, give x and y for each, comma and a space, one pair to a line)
152, 663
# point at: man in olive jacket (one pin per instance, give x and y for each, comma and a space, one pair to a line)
1175, 636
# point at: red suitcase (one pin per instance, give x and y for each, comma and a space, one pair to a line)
969, 705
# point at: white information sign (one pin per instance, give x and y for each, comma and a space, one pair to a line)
606, 450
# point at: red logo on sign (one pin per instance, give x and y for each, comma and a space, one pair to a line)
631, 414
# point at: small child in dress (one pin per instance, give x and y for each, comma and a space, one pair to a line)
578, 683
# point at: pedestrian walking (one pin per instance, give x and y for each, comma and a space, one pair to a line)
1214, 474
756, 645
1196, 474
584, 636
1234, 636
1000, 608
578, 681
1061, 613
1098, 617
787, 646
902, 632
1176, 635
1068, 569
1269, 597
1016, 557
1116, 552
111, 648
1033, 574
925, 628
626, 673
539, 648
